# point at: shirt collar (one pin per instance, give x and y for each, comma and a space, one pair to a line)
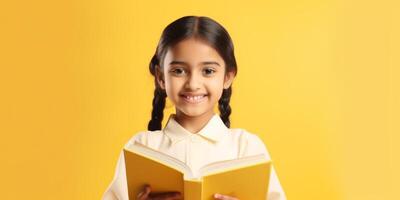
213, 131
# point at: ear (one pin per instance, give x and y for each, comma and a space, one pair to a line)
228, 79
160, 78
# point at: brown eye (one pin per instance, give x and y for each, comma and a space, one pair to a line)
178, 71
209, 71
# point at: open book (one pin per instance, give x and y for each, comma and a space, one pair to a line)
244, 178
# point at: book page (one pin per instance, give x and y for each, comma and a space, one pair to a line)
226, 165
161, 157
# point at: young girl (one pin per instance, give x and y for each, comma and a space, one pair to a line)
194, 66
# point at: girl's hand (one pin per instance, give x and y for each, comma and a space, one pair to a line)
224, 197
146, 194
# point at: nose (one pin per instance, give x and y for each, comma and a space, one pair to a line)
193, 82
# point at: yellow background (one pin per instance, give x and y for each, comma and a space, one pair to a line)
318, 82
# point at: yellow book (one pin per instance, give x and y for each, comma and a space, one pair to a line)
245, 178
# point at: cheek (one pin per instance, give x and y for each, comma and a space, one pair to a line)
173, 86
215, 87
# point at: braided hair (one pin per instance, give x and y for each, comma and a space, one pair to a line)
224, 107
157, 113
186, 27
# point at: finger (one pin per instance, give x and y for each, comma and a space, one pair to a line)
224, 197
144, 192
166, 195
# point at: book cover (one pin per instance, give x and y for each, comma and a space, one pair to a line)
244, 178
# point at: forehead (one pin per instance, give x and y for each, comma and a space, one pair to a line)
193, 51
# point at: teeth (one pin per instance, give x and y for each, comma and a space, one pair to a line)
194, 98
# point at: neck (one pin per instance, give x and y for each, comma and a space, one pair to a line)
193, 124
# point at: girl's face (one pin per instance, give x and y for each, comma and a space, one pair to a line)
194, 77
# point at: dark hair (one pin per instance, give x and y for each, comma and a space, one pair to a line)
199, 27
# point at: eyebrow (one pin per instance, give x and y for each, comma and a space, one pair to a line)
204, 63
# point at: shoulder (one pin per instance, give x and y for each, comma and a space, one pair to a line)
249, 143
245, 136
145, 137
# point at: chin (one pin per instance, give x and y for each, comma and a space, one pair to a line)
193, 112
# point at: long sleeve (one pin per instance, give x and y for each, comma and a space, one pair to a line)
118, 189
275, 191
253, 145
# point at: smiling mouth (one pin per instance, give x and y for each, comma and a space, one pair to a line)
194, 98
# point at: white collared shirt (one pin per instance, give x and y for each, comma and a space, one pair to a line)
214, 142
